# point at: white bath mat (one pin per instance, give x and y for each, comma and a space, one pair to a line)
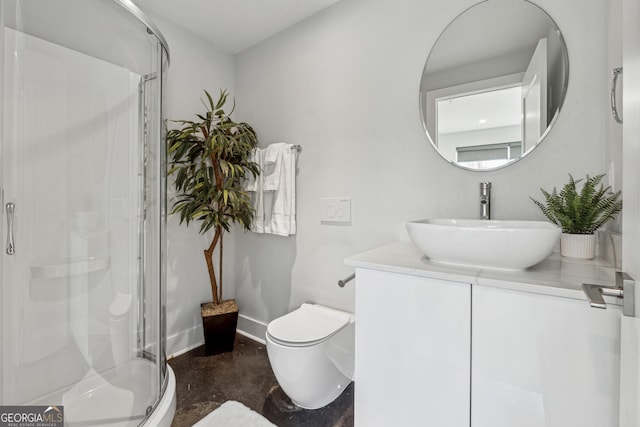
234, 414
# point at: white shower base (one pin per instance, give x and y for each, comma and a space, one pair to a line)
117, 398
166, 409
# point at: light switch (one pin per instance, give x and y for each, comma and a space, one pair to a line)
336, 210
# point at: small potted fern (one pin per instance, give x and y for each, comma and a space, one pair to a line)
580, 213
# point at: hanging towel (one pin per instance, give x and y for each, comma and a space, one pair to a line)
254, 186
273, 192
252, 183
280, 219
272, 165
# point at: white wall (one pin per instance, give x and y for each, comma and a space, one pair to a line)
344, 84
195, 65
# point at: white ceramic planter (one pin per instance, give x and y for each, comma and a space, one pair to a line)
581, 246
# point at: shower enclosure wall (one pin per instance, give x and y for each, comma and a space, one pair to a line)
82, 185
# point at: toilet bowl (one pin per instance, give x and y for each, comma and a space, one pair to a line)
311, 351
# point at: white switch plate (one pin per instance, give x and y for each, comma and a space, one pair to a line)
335, 210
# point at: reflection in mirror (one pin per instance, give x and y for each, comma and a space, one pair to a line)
493, 84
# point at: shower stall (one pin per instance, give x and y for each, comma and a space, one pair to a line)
82, 186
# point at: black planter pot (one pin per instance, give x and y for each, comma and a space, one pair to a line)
219, 331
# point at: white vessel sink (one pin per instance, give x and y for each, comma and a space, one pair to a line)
504, 245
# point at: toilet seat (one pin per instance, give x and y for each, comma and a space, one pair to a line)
308, 325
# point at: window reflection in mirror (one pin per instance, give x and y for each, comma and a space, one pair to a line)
479, 130
493, 84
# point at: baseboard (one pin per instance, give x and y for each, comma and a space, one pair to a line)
252, 328
251, 337
185, 341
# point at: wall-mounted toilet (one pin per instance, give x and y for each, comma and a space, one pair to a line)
311, 351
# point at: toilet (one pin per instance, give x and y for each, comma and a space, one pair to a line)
311, 351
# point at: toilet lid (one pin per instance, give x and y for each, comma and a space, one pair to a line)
307, 324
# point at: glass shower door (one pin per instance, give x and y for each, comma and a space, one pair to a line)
72, 277
81, 171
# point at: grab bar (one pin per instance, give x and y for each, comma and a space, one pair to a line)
614, 83
347, 279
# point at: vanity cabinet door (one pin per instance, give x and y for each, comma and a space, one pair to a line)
543, 361
412, 351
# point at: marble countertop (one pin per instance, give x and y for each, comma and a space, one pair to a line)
555, 275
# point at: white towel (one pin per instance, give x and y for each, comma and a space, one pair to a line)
280, 219
272, 165
252, 183
254, 186
273, 193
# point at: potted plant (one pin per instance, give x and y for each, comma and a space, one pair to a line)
580, 213
210, 159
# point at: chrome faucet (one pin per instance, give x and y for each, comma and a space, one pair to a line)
485, 200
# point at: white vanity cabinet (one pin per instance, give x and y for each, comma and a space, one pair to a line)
412, 351
542, 361
441, 346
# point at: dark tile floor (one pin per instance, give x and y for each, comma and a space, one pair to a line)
203, 383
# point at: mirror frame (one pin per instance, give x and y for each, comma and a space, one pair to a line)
565, 81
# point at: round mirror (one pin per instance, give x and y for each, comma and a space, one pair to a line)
493, 84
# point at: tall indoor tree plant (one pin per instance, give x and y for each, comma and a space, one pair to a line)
210, 160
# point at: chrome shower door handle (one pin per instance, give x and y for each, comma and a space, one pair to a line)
11, 247
614, 105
